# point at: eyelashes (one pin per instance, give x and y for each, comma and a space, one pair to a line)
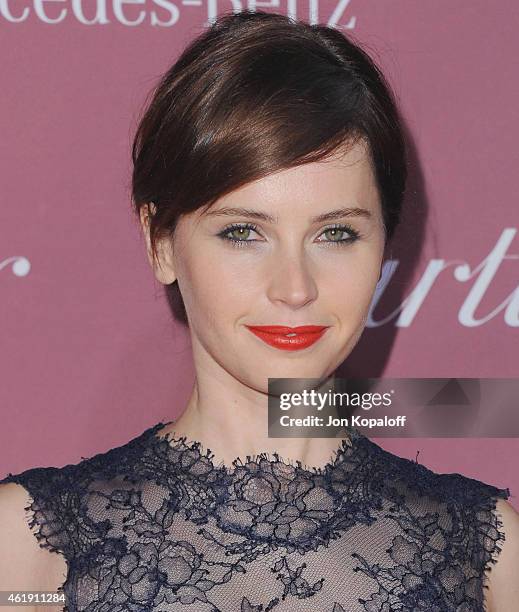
354, 235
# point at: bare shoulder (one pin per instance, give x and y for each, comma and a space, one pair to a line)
503, 578
24, 564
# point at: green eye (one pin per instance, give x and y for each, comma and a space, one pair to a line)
240, 233
335, 233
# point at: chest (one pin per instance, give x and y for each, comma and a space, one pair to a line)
280, 560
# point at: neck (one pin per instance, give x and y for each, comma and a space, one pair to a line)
236, 425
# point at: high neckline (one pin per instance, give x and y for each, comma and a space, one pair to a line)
197, 450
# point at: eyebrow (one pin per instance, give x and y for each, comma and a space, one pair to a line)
338, 213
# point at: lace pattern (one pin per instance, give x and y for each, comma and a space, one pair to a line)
156, 525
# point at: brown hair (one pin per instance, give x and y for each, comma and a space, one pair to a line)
253, 94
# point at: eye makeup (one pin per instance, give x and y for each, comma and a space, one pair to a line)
354, 235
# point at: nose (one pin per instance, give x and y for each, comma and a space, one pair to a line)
291, 281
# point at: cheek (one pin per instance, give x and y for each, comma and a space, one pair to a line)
351, 285
216, 292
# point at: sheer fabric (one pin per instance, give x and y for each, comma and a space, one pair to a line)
155, 524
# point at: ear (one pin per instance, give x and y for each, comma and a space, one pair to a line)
162, 266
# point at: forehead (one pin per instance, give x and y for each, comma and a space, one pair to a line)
344, 179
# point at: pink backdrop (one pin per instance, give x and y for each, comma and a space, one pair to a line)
90, 356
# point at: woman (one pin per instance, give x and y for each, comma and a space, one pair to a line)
269, 172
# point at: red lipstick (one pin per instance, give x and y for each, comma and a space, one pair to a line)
278, 335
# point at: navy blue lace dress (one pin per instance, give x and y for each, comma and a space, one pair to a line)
155, 524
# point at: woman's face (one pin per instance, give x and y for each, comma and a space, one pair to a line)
293, 270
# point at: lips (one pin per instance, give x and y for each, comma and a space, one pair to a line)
282, 329
277, 335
